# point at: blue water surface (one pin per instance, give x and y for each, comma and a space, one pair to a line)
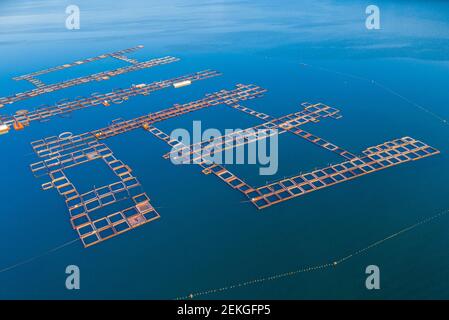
207, 237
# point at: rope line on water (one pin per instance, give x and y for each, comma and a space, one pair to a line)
38, 256
262, 279
334, 263
383, 87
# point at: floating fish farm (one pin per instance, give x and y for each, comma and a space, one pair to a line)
88, 218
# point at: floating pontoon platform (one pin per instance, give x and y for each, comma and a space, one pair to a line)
117, 96
42, 88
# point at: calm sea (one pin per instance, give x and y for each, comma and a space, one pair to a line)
206, 237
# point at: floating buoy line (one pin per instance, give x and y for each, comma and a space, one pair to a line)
260, 280
326, 265
383, 87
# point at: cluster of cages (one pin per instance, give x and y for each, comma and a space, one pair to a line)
88, 214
